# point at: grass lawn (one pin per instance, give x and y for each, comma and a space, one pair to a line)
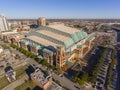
28, 84
20, 72
3, 82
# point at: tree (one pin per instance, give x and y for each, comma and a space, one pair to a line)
75, 79
95, 69
58, 70
39, 60
5, 47
84, 77
52, 67
43, 62
31, 55
81, 82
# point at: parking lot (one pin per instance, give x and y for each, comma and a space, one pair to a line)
91, 57
101, 78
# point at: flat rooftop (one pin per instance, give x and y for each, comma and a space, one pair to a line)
63, 28
39, 76
54, 35
42, 41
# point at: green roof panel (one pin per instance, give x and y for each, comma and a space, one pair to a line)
69, 63
75, 37
68, 43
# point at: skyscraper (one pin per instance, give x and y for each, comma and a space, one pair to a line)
41, 21
3, 23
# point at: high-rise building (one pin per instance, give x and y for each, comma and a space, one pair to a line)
3, 23
41, 21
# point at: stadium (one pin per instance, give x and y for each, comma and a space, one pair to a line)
58, 44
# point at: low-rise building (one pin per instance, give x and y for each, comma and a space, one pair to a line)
10, 73
23, 28
41, 79
12, 36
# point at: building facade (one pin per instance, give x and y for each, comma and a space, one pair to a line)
41, 21
3, 23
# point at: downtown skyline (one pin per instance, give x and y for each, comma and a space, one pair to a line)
62, 9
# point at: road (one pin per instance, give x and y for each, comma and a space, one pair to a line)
63, 80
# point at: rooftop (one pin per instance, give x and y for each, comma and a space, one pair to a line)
8, 68
57, 35
62, 27
54, 35
40, 76
10, 73
42, 41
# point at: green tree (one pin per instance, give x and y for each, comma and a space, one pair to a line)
58, 70
39, 60
81, 82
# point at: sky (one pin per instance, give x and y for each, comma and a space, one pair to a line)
79, 9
